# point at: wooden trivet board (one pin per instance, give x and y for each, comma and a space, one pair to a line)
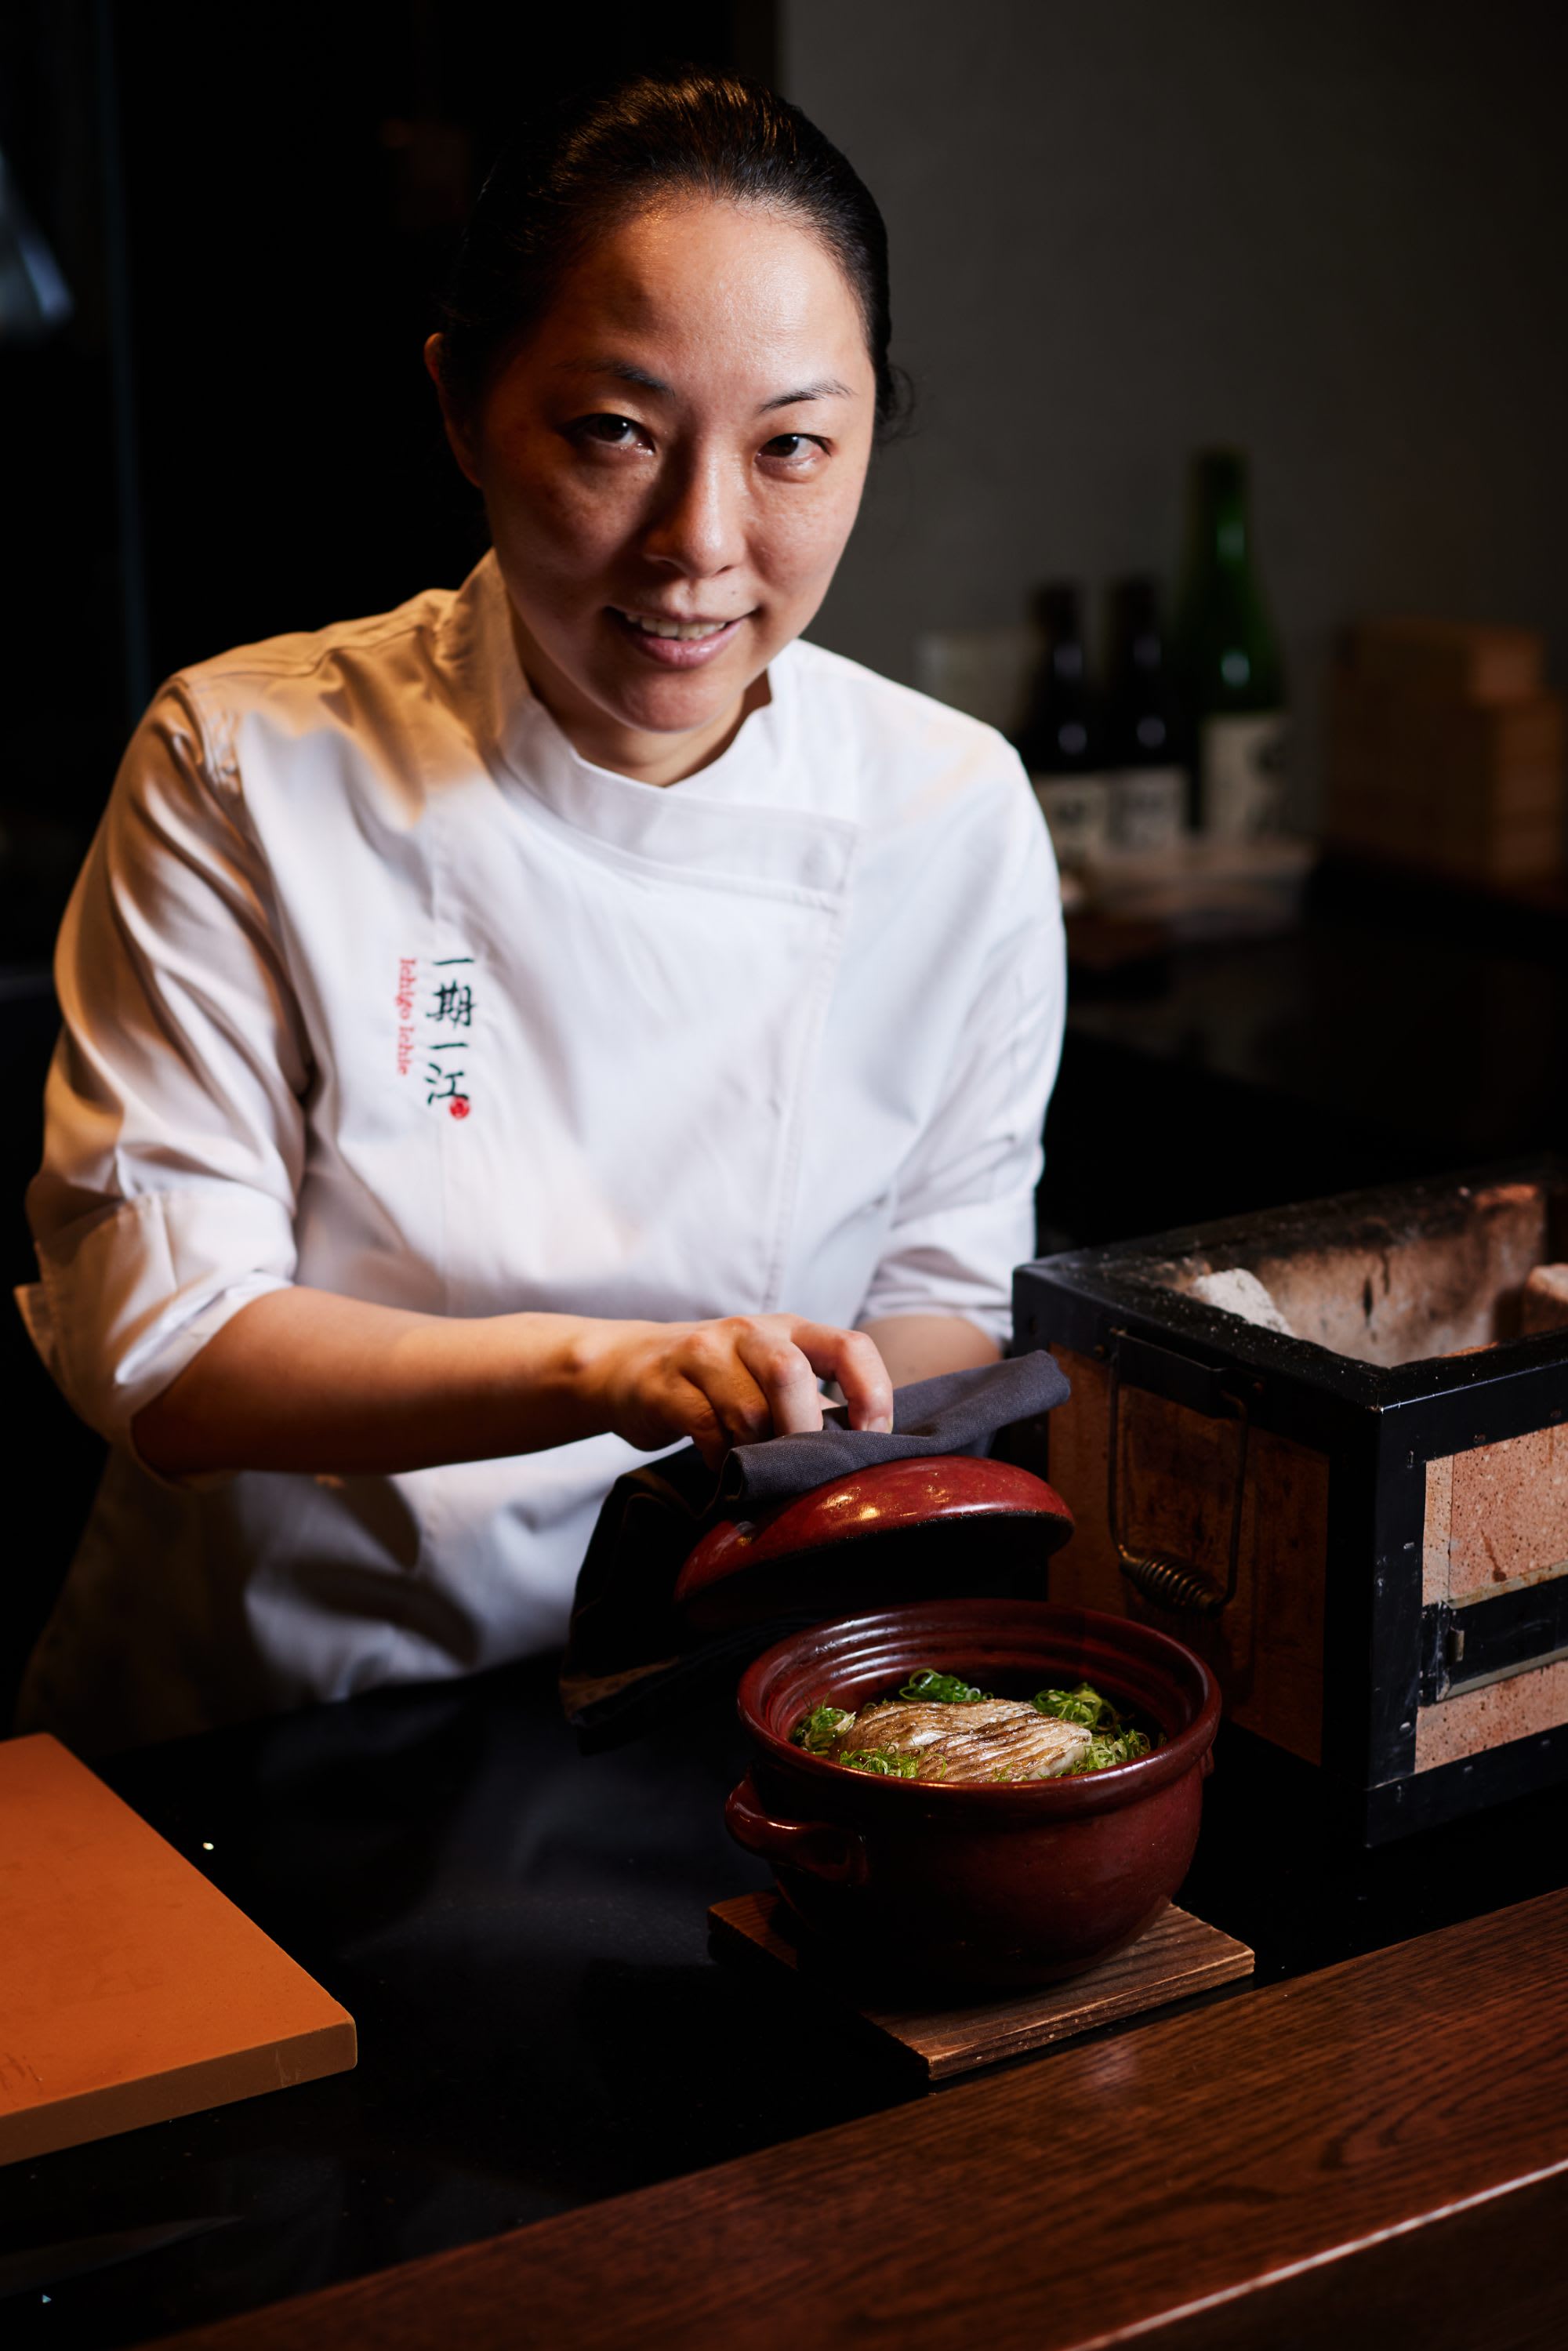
1177, 1957
131, 1990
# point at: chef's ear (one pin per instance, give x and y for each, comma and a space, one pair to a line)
458, 435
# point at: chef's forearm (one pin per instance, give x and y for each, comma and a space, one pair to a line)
302, 1380
918, 1346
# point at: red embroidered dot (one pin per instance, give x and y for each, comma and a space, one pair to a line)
458, 1105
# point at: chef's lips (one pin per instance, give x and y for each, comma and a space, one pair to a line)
678, 645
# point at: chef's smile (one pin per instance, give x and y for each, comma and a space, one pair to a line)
678, 645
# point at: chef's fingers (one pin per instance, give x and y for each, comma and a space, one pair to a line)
693, 1417
783, 1372
710, 1357
669, 1410
855, 1362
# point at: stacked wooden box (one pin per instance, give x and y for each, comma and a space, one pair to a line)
1446, 750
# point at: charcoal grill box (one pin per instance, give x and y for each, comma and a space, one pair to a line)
1382, 1591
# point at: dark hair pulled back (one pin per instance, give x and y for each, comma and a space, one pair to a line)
570, 178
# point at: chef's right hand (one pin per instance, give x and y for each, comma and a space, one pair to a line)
733, 1381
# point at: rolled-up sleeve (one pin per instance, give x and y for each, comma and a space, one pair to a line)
964, 1215
174, 1128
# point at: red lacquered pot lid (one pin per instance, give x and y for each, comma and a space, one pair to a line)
940, 1525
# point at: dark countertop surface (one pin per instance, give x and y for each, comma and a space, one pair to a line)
1402, 1028
521, 1933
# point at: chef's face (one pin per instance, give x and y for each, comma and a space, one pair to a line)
671, 465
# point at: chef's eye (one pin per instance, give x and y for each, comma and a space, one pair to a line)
795, 452
609, 432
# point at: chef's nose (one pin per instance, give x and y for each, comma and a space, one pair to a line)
698, 529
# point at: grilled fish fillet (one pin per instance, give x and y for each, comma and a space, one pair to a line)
993, 1739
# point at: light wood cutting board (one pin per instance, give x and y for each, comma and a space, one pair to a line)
131, 1990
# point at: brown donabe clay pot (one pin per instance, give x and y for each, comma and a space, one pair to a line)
992, 1885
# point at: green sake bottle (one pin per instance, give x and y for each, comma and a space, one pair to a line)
1232, 674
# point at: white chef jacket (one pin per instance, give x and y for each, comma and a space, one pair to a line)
371, 983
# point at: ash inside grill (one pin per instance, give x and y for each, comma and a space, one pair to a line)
1450, 1277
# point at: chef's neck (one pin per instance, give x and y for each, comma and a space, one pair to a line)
601, 739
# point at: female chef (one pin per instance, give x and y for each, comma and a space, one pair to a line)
557, 1018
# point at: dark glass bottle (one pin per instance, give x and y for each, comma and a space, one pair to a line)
1060, 741
1145, 737
1231, 671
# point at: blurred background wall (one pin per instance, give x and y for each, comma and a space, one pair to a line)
1330, 231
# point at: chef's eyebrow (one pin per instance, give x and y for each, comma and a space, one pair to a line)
622, 369
627, 371
827, 389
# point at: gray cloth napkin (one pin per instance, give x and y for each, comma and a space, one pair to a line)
958, 1412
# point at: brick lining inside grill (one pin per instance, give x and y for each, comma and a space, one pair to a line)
1389, 1295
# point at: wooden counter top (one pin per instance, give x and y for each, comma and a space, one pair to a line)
1384, 2142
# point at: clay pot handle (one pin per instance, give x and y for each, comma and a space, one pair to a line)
819, 1847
